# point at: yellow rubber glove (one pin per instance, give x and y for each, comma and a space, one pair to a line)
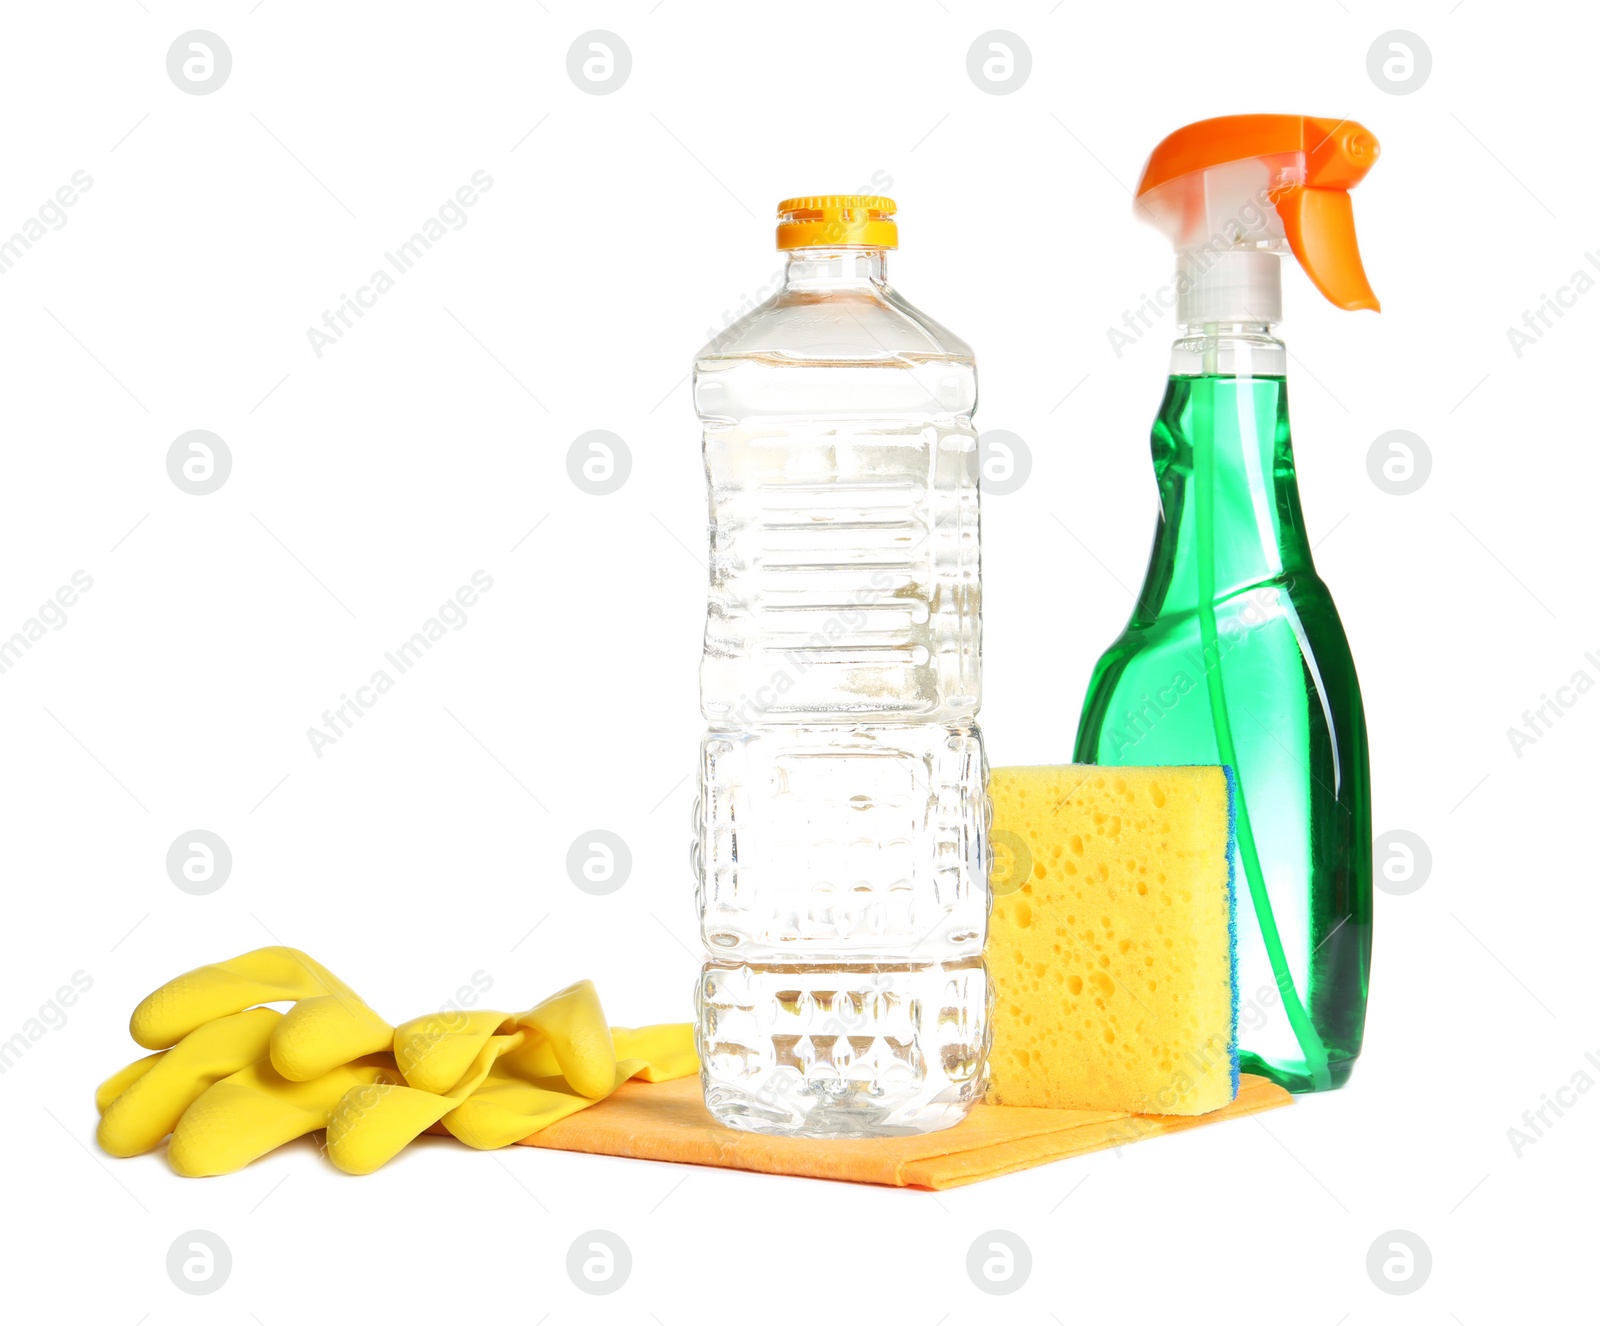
240, 1081
369, 1113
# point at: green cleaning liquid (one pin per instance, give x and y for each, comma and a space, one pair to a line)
1235, 655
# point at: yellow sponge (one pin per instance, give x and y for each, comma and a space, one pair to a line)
1112, 944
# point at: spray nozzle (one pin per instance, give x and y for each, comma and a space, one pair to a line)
1232, 191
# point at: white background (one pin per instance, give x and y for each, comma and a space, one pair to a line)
426, 845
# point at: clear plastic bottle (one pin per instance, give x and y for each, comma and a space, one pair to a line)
841, 838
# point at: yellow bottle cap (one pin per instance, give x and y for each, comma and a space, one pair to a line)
837, 220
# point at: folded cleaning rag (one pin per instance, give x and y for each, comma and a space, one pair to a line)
232, 1080
671, 1123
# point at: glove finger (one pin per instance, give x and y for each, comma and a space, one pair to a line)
575, 1026
122, 1079
257, 1109
264, 976
372, 1126
320, 1033
435, 1051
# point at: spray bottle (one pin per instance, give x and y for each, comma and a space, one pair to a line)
1235, 654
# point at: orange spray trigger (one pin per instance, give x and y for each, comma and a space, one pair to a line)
1320, 227
1230, 190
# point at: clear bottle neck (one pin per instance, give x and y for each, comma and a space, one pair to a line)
1224, 464
1228, 349
813, 271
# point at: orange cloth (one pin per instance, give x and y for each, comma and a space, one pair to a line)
668, 1121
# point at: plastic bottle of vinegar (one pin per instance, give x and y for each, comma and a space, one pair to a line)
840, 841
